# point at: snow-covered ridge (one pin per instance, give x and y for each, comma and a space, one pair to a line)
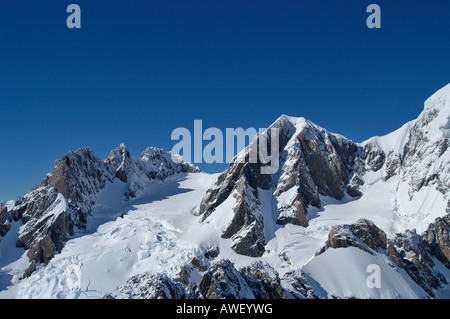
63, 202
440, 99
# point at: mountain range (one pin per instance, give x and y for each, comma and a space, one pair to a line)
155, 226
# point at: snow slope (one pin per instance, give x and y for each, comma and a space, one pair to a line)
154, 234
343, 273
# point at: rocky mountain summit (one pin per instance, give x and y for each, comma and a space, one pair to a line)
317, 164
313, 163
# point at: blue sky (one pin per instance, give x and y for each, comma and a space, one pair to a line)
136, 70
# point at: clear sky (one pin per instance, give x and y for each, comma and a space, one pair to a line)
136, 70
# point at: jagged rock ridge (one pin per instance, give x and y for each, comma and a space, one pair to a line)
64, 199
220, 281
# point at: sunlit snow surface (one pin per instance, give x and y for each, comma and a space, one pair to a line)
156, 233
160, 232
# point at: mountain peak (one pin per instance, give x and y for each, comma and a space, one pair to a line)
435, 118
296, 121
440, 99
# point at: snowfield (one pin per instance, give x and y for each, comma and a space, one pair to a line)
156, 233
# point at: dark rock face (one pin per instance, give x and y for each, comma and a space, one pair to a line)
246, 230
223, 281
121, 162
44, 236
368, 158
63, 201
44, 233
314, 162
364, 234
325, 163
297, 286
5, 220
213, 252
70, 173
247, 174
438, 237
242, 175
78, 176
198, 263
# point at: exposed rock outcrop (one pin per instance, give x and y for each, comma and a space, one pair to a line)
363, 234
223, 281
412, 253
149, 286
438, 237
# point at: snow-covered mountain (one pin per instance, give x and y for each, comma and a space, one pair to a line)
151, 227
317, 166
63, 202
